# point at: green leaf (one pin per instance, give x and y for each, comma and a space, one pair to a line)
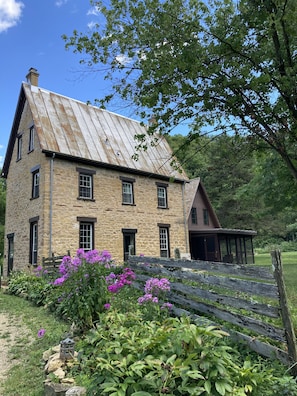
141, 393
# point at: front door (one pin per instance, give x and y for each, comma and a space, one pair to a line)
10, 238
129, 243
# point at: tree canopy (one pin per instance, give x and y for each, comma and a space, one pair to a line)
223, 65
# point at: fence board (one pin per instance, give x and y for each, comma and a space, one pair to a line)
227, 292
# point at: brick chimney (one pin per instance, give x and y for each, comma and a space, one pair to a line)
32, 76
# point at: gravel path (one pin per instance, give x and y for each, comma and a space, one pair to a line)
12, 333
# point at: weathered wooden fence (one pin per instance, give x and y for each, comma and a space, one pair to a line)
51, 264
252, 299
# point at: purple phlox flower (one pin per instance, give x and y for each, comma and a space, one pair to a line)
107, 306
45, 272
80, 253
92, 256
38, 271
114, 288
148, 297
105, 256
156, 286
41, 333
86, 275
59, 281
141, 255
167, 305
110, 278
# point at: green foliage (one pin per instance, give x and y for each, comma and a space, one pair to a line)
204, 62
29, 286
81, 297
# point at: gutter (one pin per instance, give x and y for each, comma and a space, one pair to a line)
51, 203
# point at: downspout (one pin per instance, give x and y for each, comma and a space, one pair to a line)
51, 203
185, 218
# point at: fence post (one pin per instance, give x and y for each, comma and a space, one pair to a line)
285, 313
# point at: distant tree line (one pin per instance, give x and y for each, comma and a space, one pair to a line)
249, 185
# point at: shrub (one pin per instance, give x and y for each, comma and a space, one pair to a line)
29, 285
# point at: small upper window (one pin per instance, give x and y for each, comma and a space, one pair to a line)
162, 195
85, 183
205, 217
35, 184
31, 139
194, 216
19, 147
127, 191
85, 186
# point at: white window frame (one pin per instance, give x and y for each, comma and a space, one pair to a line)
31, 139
162, 196
127, 193
85, 186
86, 235
35, 183
164, 242
19, 147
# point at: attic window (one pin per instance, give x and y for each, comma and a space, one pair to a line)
205, 217
31, 139
194, 216
19, 147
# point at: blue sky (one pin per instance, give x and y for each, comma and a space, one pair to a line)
30, 36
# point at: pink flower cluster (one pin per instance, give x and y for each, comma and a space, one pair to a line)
153, 288
70, 264
116, 282
156, 286
148, 298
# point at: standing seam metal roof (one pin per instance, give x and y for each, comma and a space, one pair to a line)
76, 129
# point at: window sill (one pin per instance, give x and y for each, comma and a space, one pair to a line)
128, 204
162, 207
86, 199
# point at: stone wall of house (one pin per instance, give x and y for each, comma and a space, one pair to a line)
111, 215
20, 208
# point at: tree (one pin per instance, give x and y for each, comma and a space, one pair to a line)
225, 64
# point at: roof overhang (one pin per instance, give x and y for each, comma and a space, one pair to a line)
105, 165
222, 231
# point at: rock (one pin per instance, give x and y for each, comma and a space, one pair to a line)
68, 381
54, 363
76, 391
59, 373
53, 389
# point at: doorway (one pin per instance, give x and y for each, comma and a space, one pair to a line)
129, 242
10, 238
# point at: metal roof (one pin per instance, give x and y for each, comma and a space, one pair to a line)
75, 129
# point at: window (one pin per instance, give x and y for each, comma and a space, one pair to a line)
33, 240
31, 139
162, 195
86, 233
19, 148
205, 217
35, 182
85, 183
127, 191
194, 216
164, 240
85, 186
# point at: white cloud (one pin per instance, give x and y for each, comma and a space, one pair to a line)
94, 11
10, 13
92, 25
59, 3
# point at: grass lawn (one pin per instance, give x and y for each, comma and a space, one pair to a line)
289, 261
26, 376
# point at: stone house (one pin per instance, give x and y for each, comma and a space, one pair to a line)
73, 182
